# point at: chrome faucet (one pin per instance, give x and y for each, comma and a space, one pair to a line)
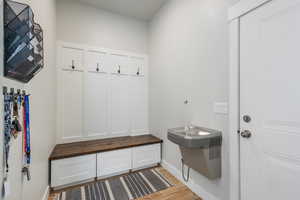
187, 130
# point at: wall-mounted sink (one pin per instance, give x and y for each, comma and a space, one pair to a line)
200, 149
195, 137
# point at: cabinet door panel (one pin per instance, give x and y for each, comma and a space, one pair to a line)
72, 170
96, 61
146, 155
113, 162
138, 105
72, 58
95, 104
119, 105
71, 104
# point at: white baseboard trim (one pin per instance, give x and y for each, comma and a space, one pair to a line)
46, 194
197, 189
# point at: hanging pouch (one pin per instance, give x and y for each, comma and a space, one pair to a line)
16, 128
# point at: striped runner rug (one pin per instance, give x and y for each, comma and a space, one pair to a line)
126, 187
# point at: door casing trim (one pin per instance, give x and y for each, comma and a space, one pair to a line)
234, 125
234, 15
243, 7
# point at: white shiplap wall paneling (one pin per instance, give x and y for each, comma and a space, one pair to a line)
105, 94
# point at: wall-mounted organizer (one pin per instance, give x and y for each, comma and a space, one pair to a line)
23, 42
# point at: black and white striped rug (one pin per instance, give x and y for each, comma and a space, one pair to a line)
127, 187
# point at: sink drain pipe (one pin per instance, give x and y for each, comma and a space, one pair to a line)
185, 178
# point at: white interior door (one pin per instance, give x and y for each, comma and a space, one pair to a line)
96, 104
269, 94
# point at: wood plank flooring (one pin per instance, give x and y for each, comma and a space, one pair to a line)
178, 192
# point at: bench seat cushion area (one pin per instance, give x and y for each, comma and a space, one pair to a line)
73, 163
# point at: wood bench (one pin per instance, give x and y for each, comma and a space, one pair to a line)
82, 161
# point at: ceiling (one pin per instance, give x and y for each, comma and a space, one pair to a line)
141, 9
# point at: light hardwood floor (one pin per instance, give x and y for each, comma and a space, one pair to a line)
178, 192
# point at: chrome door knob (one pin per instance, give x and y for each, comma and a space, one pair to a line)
246, 134
247, 118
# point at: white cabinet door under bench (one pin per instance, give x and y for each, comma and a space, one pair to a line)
121, 161
147, 155
113, 162
71, 170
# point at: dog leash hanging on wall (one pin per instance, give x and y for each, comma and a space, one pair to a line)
13, 102
26, 138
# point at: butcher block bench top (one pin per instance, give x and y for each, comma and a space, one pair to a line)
96, 146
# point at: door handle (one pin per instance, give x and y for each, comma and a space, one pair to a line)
246, 134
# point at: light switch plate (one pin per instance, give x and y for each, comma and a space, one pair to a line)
221, 108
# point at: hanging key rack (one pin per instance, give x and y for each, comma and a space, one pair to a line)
11, 91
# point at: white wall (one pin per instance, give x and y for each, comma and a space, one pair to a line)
81, 23
43, 95
188, 48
